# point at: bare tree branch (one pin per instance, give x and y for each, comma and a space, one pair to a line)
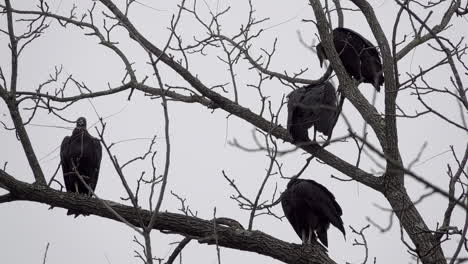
196, 228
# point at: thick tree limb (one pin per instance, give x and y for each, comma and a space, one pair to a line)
391, 149
193, 227
23, 136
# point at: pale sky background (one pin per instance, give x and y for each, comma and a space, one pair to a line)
199, 138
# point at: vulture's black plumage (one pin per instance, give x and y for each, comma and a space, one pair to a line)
359, 57
80, 152
310, 208
313, 105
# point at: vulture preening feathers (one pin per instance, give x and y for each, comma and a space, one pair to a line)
310, 208
359, 57
80, 153
313, 105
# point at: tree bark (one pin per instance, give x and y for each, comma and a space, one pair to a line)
427, 246
193, 227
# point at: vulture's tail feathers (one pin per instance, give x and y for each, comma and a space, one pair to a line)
378, 81
299, 134
73, 212
322, 235
338, 223
76, 213
341, 228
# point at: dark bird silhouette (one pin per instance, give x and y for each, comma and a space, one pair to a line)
80, 153
359, 57
312, 105
310, 208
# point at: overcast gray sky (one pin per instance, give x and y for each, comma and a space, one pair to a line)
200, 137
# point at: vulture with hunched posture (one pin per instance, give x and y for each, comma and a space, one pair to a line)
312, 105
310, 208
359, 57
80, 153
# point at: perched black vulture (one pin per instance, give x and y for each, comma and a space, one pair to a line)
359, 57
82, 153
313, 105
310, 208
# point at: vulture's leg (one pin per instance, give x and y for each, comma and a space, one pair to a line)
304, 240
315, 135
377, 81
360, 65
309, 239
76, 191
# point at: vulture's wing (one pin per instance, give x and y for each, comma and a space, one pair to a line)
64, 149
65, 161
328, 194
370, 47
322, 200
98, 150
97, 155
328, 111
294, 100
329, 94
298, 122
290, 209
311, 104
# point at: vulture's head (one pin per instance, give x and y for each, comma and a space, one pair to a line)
293, 182
81, 123
321, 53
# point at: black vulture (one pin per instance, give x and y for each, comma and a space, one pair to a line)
80, 153
312, 105
359, 57
310, 208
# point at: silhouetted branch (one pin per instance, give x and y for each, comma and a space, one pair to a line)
54, 98
118, 169
281, 76
215, 234
454, 179
363, 242
412, 174
462, 238
243, 112
418, 40
178, 250
6, 198
253, 241
45, 253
